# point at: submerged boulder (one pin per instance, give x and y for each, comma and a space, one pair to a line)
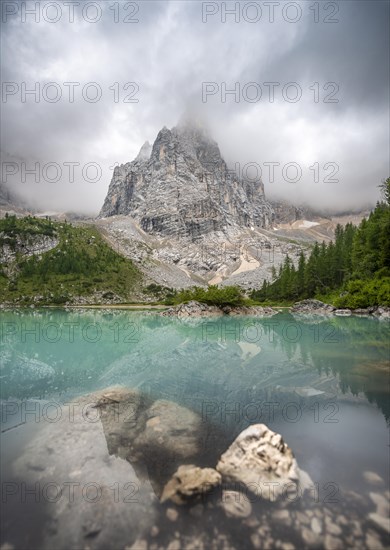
99, 500
262, 462
156, 437
190, 481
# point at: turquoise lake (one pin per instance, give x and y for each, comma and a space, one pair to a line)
323, 384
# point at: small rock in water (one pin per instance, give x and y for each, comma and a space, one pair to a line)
332, 528
316, 526
236, 504
309, 537
332, 543
302, 518
154, 531
381, 522
190, 481
172, 514
373, 478
382, 504
356, 529
256, 541
259, 455
372, 541
343, 520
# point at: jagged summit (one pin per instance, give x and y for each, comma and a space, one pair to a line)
144, 153
182, 186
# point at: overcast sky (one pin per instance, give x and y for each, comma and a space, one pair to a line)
330, 109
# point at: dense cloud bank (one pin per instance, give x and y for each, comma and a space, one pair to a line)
295, 90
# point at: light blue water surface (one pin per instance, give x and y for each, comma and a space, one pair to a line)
323, 383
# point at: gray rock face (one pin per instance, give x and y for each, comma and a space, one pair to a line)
181, 186
257, 458
25, 246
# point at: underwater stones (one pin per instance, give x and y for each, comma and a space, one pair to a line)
190, 481
259, 456
155, 437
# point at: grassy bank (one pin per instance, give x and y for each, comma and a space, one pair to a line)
78, 263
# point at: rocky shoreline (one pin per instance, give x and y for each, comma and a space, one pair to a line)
198, 309
316, 307
302, 308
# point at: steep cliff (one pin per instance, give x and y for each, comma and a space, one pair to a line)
181, 186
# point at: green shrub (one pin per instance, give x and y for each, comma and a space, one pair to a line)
360, 293
213, 295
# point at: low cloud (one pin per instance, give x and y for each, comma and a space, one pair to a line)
325, 117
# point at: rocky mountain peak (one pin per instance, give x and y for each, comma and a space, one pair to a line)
182, 186
145, 151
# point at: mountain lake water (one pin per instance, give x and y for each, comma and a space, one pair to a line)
322, 383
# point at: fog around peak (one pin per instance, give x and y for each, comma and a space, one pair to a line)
181, 62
